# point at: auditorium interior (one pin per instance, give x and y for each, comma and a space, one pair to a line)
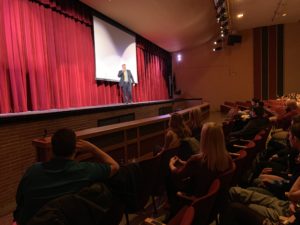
213, 56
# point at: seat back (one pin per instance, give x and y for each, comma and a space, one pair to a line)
222, 197
92, 205
204, 205
149, 169
184, 217
227, 127
239, 161
165, 156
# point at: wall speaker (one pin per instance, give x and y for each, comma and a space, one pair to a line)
232, 39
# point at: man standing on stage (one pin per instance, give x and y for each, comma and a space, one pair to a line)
126, 80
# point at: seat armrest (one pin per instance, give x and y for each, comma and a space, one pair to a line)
239, 146
245, 140
184, 196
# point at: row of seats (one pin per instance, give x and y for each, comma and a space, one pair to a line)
227, 105
202, 212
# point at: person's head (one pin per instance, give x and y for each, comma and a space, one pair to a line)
258, 111
295, 119
294, 136
124, 66
261, 104
212, 145
176, 123
176, 120
291, 105
195, 117
254, 101
63, 143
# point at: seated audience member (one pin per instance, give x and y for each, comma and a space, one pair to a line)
201, 169
278, 151
284, 120
240, 214
61, 175
233, 113
268, 206
277, 172
176, 132
194, 122
242, 117
255, 124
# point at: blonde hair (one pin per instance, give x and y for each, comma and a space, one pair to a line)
177, 125
212, 146
195, 118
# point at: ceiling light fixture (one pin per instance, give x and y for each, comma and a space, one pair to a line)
240, 15
179, 57
284, 14
218, 41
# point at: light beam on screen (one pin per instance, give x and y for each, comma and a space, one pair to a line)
113, 47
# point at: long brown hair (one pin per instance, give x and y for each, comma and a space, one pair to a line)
177, 125
195, 118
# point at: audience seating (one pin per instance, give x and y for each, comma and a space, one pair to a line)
239, 159
226, 106
149, 170
159, 182
204, 204
222, 196
227, 127
184, 217
92, 205
243, 105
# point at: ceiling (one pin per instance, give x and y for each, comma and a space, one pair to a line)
175, 25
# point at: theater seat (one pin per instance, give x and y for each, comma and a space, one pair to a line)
203, 204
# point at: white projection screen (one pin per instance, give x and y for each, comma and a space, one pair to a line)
113, 47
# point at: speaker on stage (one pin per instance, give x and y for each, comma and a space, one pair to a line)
233, 39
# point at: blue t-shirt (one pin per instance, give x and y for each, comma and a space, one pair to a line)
43, 182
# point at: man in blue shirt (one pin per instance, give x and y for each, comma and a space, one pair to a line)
62, 175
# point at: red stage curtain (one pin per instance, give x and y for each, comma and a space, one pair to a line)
153, 69
47, 60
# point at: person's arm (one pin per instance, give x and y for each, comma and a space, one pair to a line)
176, 164
83, 145
131, 77
120, 73
294, 193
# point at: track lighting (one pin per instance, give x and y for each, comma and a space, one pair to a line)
224, 24
217, 49
219, 3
